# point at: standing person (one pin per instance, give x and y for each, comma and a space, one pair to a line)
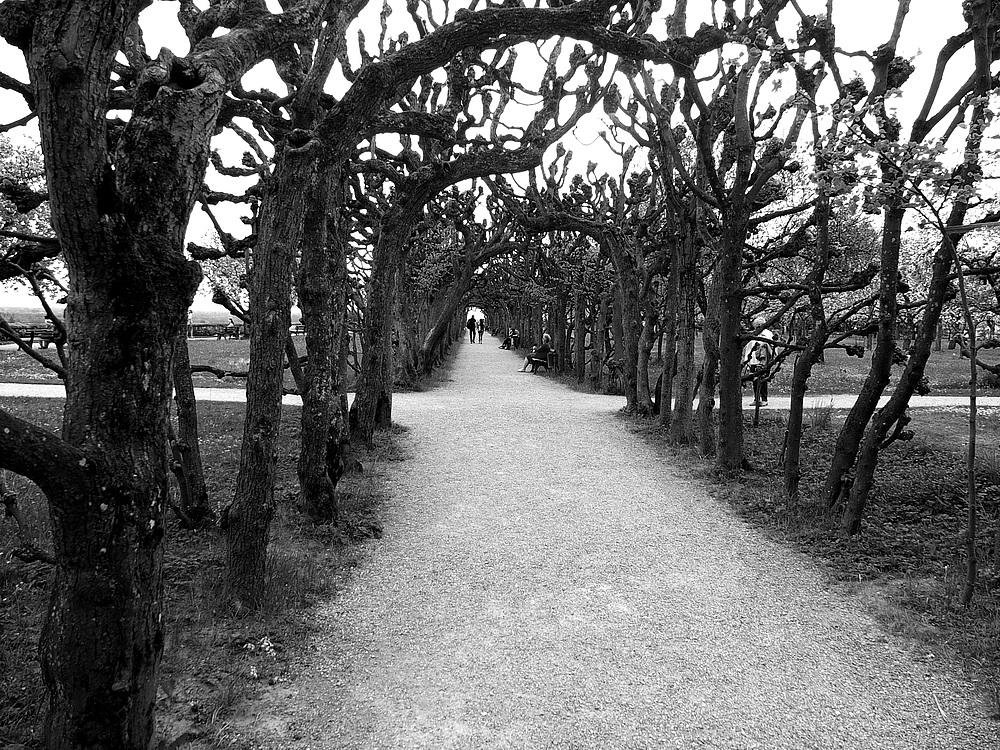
471, 325
482, 327
757, 355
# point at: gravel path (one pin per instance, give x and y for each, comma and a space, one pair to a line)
545, 581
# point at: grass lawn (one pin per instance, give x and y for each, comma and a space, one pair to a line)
946, 373
224, 354
214, 656
18, 367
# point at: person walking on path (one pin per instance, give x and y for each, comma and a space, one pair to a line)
482, 327
757, 355
471, 325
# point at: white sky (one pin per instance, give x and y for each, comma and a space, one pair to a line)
861, 24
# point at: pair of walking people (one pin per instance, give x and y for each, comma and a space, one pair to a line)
473, 327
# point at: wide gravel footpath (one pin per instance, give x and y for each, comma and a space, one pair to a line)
547, 581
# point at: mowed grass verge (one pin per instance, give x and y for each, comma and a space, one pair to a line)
231, 355
215, 657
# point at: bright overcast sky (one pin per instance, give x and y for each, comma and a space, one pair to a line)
861, 24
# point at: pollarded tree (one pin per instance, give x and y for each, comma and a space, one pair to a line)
120, 196
904, 166
28, 249
621, 216
419, 176
337, 126
446, 275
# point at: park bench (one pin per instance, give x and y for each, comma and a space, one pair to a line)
548, 362
204, 330
230, 332
45, 335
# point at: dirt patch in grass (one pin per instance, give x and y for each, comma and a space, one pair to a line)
908, 562
214, 657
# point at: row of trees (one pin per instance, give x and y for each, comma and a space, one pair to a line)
791, 207
375, 193
120, 195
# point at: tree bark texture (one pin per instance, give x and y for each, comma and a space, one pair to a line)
405, 322
557, 323
121, 231
849, 439
681, 424
810, 355
579, 338
730, 455
913, 371
283, 207
321, 300
629, 320
372, 407
597, 353
709, 371
187, 450
668, 344
644, 347
428, 356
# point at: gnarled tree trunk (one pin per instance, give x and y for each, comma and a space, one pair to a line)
849, 439
195, 509
681, 424
579, 338
644, 347
372, 405
709, 371
321, 297
284, 205
121, 231
730, 455
597, 352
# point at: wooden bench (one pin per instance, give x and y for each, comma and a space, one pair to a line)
549, 362
230, 332
45, 335
204, 330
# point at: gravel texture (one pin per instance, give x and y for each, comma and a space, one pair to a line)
547, 581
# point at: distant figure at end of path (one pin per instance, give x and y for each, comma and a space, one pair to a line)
757, 356
539, 353
471, 325
482, 327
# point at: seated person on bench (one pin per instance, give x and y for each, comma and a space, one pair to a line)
508, 343
539, 355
